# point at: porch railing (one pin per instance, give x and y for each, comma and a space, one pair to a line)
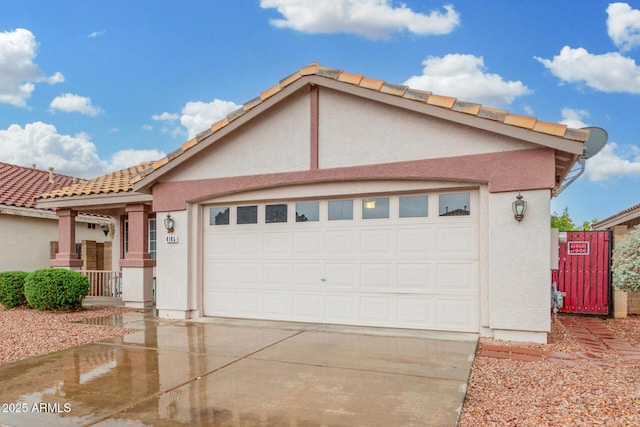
104, 283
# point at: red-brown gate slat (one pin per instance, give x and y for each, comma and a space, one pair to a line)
584, 272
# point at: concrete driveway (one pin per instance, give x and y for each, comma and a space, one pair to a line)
243, 373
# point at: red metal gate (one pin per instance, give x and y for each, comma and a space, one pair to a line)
584, 272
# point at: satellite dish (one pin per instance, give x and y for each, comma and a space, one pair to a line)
596, 142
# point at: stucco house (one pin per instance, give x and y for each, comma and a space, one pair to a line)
337, 198
26, 232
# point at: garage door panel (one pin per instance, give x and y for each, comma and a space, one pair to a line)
248, 304
278, 305
377, 276
307, 274
458, 276
416, 242
220, 274
416, 312
220, 302
342, 275
417, 277
218, 244
248, 274
457, 241
276, 243
376, 310
342, 242
342, 308
457, 314
248, 244
308, 307
277, 274
377, 242
308, 243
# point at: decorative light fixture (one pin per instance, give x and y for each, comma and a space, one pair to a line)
519, 207
169, 223
105, 228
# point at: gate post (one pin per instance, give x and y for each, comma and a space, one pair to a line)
620, 297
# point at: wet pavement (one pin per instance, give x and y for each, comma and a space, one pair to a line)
242, 373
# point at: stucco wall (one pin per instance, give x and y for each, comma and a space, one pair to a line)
519, 267
24, 241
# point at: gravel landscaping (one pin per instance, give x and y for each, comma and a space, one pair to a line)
501, 392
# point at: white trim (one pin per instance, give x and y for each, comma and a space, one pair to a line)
47, 214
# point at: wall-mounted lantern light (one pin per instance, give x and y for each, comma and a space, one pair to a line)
169, 223
105, 228
519, 207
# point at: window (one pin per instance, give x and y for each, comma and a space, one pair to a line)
414, 206
275, 213
152, 238
340, 210
373, 208
247, 214
307, 211
454, 204
219, 216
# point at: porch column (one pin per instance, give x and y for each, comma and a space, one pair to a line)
66, 256
137, 265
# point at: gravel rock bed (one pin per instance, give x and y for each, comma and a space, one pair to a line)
505, 392
501, 392
27, 332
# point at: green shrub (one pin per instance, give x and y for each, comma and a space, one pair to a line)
55, 289
12, 288
626, 262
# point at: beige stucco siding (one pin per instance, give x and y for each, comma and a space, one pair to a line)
356, 131
24, 241
276, 141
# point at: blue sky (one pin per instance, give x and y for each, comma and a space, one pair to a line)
94, 86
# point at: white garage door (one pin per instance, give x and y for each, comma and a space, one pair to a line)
406, 261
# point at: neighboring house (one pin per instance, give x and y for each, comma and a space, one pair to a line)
336, 198
26, 232
620, 224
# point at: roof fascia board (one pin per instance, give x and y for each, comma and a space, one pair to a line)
94, 200
516, 132
618, 219
44, 214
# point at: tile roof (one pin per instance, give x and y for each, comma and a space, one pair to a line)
115, 182
315, 69
629, 213
125, 179
19, 185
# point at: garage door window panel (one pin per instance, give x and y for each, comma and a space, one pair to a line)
247, 214
340, 210
375, 208
307, 212
455, 204
275, 213
414, 206
219, 216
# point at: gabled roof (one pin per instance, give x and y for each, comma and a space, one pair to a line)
630, 215
142, 176
566, 154
115, 182
19, 186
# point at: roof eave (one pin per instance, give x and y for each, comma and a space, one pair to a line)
94, 200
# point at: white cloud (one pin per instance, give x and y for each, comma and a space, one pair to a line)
614, 161
610, 72
165, 116
623, 26
70, 103
147, 127
40, 143
374, 19
127, 158
198, 116
19, 73
464, 77
574, 118
95, 34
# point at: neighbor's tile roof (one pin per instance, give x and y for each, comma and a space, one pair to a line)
19, 186
635, 209
381, 86
115, 182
